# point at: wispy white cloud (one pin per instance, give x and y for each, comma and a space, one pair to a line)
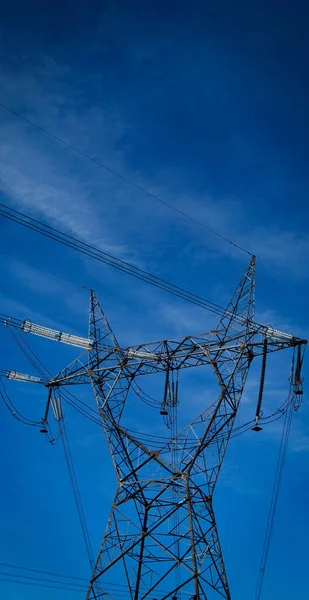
92, 204
280, 249
45, 284
287, 324
186, 319
300, 443
44, 179
32, 183
12, 307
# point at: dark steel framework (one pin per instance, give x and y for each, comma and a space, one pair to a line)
161, 538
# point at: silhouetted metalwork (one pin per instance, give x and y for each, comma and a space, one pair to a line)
161, 538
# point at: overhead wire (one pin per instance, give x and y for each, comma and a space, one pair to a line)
66, 587
144, 397
41, 585
28, 569
151, 439
45, 374
154, 440
43, 270
110, 260
13, 410
269, 418
91, 414
274, 498
43, 371
46, 580
123, 178
170, 288
76, 493
52, 573
18, 338
118, 587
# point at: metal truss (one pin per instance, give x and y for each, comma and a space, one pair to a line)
161, 539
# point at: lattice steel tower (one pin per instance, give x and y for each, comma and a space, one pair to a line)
161, 538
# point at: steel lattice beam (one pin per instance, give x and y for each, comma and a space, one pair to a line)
162, 520
161, 538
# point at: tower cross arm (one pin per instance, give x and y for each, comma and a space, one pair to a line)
178, 353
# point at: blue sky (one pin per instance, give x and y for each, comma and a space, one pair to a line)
205, 105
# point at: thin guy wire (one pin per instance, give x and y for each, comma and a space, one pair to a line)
31, 264
123, 178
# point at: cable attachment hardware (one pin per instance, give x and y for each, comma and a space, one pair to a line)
297, 380
257, 426
45, 418
163, 410
261, 390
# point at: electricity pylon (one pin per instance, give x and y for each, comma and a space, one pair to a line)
161, 538
152, 488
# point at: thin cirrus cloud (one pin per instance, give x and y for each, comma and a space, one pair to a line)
38, 175
32, 180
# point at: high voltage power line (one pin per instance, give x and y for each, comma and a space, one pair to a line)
216, 431
123, 178
274, 498
87, 411
52, 573
109, 259
68, 581
43, 270
232, 367
65, 587
42, 585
